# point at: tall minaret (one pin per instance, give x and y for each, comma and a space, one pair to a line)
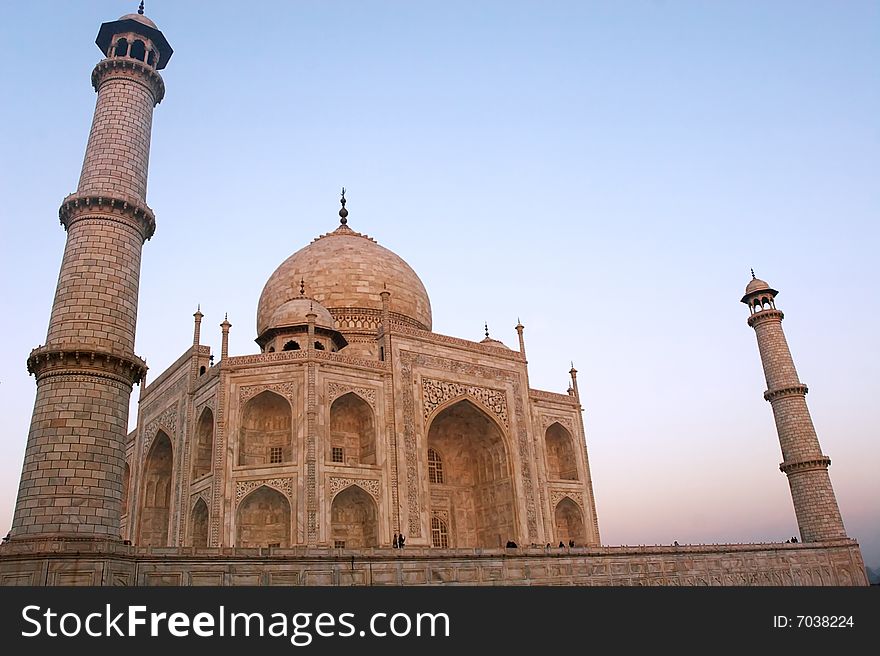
802, 459
71, 482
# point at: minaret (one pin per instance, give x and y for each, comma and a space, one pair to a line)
71, 482
802, 459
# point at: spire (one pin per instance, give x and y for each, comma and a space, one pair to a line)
573, 386
753, 273
486, 327
141, 8
519, 332
343, 213
224, 344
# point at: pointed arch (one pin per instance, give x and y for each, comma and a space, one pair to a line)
474, 401
199, 524
265, 436
477, 474
561, 456
263, 519
121, 49
203, 450
138, 50
352, 429
354, 519
156, 495
569, 520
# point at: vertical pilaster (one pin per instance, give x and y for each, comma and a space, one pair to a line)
311, 437
390, 423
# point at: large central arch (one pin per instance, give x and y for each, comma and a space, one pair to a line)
476, 484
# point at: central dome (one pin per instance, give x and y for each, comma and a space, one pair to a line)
346, 271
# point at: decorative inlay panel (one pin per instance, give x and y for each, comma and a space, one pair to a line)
242, 488
167, 420
437, 392
371, 486
335, 390
553, 396
207, 404
204, 495
547, 421
247, 392
558, 495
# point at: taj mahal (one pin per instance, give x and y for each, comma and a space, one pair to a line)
351, 424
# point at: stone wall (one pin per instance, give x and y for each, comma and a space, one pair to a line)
837, 563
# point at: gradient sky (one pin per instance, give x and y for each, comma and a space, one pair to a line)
605, 171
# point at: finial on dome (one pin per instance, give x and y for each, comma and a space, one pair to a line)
141, 8
343, 213
486, 326
302, 286
753, 273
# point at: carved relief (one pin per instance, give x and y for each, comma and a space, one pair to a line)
249, 391
219, 451
260, 358
335, 390
204, 495
283, 485
437, 392
330, 356
553, 396
207, 404
337, 484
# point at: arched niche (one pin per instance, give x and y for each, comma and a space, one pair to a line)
352, 429
476, 476
199, 524
569, 522
156, 493
263, 519
265, 434
561, 458
204, 446
354, 519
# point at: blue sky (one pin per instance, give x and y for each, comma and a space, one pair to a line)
607, 172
